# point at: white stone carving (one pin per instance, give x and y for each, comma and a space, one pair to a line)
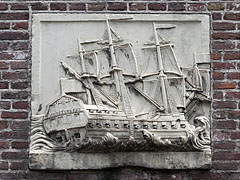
121, 91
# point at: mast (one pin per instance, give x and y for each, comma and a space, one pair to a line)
160, 68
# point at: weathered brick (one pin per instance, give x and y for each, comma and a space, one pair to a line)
117, 6
217, 75
14, 35
232, 95
14, 155
225, 165
224, 85
224, 145
78, 6
4, 145
58, 6
226, 156
16, 46
220, 65
232, 56
39, 6
3, 6
203, 175
223, 26
215, 56
3, 124
19, 145
19, 166
19, 85
4, 46
196, 7
4, 85
3, 65
96, 6
229, 124
18, 135
233, 114
234, 75
14, 16
3, 165
137, 6
21, 105
14, 75
215, 6
5, 105
222, 45
6, 56
234, 6
19, 6
19, 65
20, 25
218, 95
157, 6
4, 25
226, 35
224, 104
14, 115
220, 135
15, 95
232, 16
218, 115
176, 6
235, 135
20, 125
216, 16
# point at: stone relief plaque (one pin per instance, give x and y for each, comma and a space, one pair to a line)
113, 90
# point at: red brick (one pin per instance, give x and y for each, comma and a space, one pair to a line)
235, 135
215, 56
117, 6
216, 6
20, 125
224, 85
219, 115
234, 75
4, 46
14, 16
205, 175
232, 56
3, 65
233, 114
14, 155
4, 25
14, 75
6, 56
216, 16
196, 7
14, 35
96, 6
218, 95
18, 135
233, 6
3, 165
232, 95
14, 115
220, 65
4, 145
157, 6
177, 6
224, 104
3, 85
15, 95
224, 145
226, 156
220, 136
19, 85
232, 16
3, 124
19, 166
226, 35
58, 6
16, 46
5, 105
19, 145
39, 6
19, 6
20, 25
225, 165
223, 26
19, 65
227, 124
77, 6
3, 6
137, 6
217, 75
222, 45
21, 105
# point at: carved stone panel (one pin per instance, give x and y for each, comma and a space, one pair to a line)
113, 90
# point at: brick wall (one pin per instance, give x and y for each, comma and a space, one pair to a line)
15, 86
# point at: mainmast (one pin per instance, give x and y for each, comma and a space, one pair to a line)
160, 68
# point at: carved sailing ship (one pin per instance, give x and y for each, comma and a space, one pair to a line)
107, 97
